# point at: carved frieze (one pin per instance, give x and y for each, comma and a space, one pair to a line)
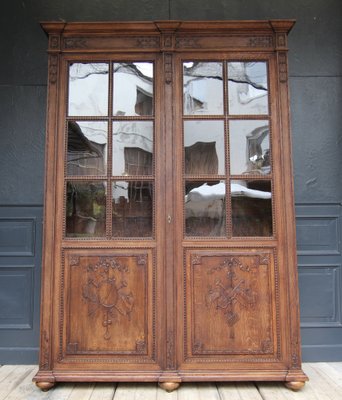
148, 42
75, 43
187, 42
260, 41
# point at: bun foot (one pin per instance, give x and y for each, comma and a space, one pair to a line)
295, 385
169, 386
45, 386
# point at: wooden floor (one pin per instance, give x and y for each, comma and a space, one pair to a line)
325, 384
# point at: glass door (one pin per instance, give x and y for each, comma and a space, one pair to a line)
110, 236
225, 233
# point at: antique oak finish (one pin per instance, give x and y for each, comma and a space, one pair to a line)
169, 236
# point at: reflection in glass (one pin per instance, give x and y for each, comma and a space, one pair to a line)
88, 89
205, 208
133, 89
247, 88
202, 88
87, 148
86, 209
132, 147
249, 147
204, 147
251, 208
132, 208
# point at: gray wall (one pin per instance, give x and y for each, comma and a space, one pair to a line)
315, 82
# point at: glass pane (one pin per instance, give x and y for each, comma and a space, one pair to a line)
88, 89
87, 148
251, 208
204, 147
132, 148
203, 88
205, 208
133, 89
132, 209
247, 88
86, 209
249, 147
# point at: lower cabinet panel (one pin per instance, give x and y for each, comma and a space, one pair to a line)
230, 306
108, 312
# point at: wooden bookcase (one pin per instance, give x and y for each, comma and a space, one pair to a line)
169, 235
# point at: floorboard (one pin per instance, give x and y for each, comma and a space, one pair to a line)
325, 384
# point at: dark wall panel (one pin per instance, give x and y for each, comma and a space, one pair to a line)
20, 283
315, 66
315, 41
320, 280
16, 297
320, 300
17, 237
316, 105
22, 132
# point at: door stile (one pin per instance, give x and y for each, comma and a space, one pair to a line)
170, 214
160, 217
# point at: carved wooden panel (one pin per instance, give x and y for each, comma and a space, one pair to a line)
231, 303
109, 303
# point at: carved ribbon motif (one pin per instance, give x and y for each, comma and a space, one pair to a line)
225, 295
106, 291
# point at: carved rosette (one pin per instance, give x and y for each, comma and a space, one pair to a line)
140, 346
281, 40
142, 259
264, 259
74, 261
72, 348
54, 42
198, 348
195, 259
167, 41
267, 346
